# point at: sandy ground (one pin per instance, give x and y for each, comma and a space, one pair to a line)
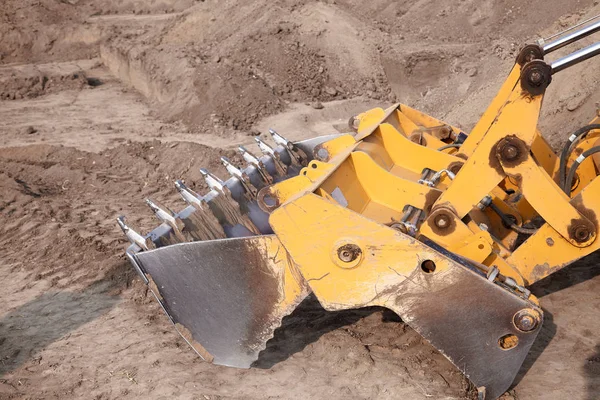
105, 103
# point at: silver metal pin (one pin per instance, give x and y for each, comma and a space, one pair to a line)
132, 236
232, 169
265, 148
249, 157
277, 138
161, 214
187, 194
212, 181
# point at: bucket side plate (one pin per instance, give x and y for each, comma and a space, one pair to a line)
226, 297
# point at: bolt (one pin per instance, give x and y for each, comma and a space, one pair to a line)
510, 152
349, 252
582, 233
442, 221
322, 154
399, 227
526, 320
526, 323
530, 56
550, 241
354, 123
536, 77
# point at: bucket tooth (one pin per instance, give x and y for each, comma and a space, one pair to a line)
215, 212
227, 211
216, 208
166, 216
267, 150
189, 195
133, 236
277, 138
251, 159
251, 191
296, 154
201, 224
232, 169
213, 182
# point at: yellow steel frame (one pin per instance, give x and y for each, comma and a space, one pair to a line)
375, 174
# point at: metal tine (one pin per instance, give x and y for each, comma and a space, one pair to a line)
232, 169
203, 223
189, 195
296, 154
265, 148
251, 159
212, 181
132, 235
220, 205
268, 151
165, 216
250, 190
277, 138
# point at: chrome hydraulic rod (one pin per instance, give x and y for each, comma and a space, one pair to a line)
575, 58
569, 29
571, 38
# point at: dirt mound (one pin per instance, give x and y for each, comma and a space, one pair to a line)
59, 204
78, 323
28, 87
32, 30
321, 51
221, 66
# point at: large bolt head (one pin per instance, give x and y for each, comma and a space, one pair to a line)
582, 233
536, 77
510, 152
349, 252
526, 320
442, 221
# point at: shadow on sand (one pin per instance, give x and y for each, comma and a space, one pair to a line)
305, 325
30, 328
578, 272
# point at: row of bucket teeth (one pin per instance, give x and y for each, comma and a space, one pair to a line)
229, 209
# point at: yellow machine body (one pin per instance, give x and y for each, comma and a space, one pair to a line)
405, 212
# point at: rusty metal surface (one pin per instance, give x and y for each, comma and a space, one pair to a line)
465, 316
224, 296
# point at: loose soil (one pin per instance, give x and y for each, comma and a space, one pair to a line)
105, 103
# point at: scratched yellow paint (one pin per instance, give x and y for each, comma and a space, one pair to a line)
388, 256
369, 178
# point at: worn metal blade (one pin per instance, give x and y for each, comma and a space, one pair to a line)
468, 318
465, 317
226, 297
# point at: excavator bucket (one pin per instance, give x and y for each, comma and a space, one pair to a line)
240, 288
445, 228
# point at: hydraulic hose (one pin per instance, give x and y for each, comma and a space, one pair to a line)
510, 223
568, 148
450, 146
576, 163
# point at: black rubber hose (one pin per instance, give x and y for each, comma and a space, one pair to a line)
575, 165
568, 148
510, 223
449, 146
